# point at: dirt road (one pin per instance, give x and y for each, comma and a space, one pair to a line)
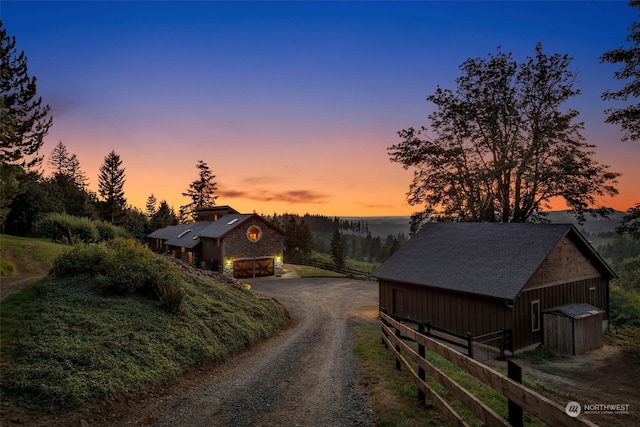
304, 377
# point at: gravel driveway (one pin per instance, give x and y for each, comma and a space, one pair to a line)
306, 376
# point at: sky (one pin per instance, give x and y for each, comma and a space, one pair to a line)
291, 104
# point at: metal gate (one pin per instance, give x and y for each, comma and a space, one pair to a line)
246, 268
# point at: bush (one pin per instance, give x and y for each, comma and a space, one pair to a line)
629, 272
624, 306
171, 295
119, 266
67, 229
108, 231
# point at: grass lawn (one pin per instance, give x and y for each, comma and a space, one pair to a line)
22, 256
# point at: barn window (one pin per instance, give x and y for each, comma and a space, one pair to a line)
254, 233
535, 315
592, 296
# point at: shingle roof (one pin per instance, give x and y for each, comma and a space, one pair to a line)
492, 259
218, 229
575, 310
188, 235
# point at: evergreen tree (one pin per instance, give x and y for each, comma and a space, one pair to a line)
337, 248
111, 186
163, 217
151, 206
24, 121
201, 191
67, 164
59, 159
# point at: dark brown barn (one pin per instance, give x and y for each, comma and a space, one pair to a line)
484, 277
238, 245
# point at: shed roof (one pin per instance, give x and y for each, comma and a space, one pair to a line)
575, 310
490, 259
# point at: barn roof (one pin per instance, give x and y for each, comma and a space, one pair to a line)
490, 259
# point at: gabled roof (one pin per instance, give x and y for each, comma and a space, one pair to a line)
490, 259
219, 228
188, 235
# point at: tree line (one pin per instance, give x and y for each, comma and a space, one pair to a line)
342, 239
498, 147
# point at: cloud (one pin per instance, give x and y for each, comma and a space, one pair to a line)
262, 195
253, 180
301, 196
233, 194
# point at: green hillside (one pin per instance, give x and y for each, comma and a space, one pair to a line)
98, 327
21, 256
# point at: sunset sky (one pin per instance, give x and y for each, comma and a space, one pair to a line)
291, 104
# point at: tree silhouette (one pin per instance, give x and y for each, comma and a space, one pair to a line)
111, 186
502, 147
200, 191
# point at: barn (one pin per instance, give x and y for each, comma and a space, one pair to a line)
488, 277
238, 245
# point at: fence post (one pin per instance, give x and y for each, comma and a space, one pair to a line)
421, 373
515, 411
429, 328
470, 343
502, 344
398, 335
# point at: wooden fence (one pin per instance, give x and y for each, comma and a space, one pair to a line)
520, 397
350, 272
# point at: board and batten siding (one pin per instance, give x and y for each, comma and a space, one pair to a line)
554, 296
454, 311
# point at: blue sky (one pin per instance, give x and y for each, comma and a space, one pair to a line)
292, 104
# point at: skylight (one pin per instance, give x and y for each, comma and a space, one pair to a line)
183, 233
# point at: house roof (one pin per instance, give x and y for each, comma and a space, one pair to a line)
188, 235
490, 259
219, 228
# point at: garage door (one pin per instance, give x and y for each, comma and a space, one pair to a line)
243, 269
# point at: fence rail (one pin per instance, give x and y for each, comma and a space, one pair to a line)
520, 397
350, 272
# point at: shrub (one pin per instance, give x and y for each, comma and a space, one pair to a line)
66, 228
108, 231
625, 306
171, 295
119, 266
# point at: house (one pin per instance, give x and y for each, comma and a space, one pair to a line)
486, 277
238, 245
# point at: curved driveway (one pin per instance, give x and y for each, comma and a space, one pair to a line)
305, 376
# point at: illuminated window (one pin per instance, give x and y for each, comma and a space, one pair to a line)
254, 233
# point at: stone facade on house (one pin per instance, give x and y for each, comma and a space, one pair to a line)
238, 245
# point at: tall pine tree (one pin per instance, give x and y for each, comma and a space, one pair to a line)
201, 191
111, 187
